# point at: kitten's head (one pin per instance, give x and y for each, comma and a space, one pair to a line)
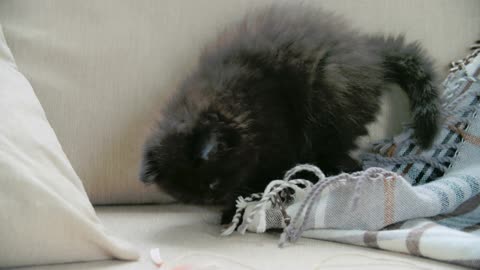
198, 162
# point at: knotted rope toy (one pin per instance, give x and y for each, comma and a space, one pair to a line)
276, 195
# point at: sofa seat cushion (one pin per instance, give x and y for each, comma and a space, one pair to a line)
188, 234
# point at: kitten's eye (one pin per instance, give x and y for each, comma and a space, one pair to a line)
213, 117
204, 144
209, 147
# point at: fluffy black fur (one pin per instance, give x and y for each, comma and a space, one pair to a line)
286, 85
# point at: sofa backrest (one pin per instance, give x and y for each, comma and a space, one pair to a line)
102, 69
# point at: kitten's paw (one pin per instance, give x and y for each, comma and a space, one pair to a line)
349, 165
227, 214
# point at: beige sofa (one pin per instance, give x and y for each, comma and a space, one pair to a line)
101, 70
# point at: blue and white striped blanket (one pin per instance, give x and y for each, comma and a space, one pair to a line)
423, 203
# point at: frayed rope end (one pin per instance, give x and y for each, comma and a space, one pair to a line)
289, 235
283, 240
228, 231
243, 228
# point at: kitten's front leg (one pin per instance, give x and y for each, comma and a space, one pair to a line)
349, 165
338, 164
228, 212
248, 182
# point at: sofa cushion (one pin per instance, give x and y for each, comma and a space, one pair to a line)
190, 235
102, 69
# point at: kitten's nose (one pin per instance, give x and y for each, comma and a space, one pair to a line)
213, 185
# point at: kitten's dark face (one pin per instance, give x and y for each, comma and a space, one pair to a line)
203, 164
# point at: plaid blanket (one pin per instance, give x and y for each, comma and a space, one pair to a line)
423, 203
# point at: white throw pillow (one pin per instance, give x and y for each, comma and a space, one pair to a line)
45, 214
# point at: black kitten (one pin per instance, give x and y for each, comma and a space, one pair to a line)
286, 85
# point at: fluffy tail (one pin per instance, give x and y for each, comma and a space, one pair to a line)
409, 66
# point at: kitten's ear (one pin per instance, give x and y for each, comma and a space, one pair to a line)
148, 172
